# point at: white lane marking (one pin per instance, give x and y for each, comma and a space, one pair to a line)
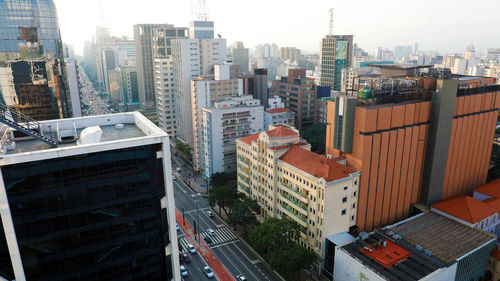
179, 186
234, 254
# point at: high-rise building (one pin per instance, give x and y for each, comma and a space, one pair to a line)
165, 98
277, 168
31, 41
493, 54
401, 52
410, 143
201, 29
240, 56
73, 69
205, 92
125, 51
221, 125
191, 58
108, 63
152, 41
129, 87
256, 85
289, 53
298, 92
336, 54
98, 206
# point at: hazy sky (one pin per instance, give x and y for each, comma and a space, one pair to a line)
442, 25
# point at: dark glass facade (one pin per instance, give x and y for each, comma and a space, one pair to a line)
41, 14
90, 217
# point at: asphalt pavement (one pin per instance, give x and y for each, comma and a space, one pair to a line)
195, 267
228, 248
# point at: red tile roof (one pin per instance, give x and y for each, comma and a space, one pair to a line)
491, 189
493, 202
465, 208
315, 164
280, 132
250, 138
277, 110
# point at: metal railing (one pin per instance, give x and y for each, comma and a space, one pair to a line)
27, 125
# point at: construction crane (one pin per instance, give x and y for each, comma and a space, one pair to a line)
330, 27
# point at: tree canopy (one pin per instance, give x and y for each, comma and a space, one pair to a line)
244, 213
184, 149
316, 136
276, 239
223, 196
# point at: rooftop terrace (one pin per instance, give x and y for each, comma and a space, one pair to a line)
137, 130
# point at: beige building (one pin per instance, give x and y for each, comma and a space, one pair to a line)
277, 168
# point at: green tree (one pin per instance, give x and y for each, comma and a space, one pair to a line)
276, 240
185, 149
316, 136
223, 178
244, 213
225, 197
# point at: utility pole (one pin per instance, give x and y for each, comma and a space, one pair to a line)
183, 217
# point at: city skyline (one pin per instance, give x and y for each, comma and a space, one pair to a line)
434, 25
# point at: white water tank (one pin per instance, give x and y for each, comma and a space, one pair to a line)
91, 135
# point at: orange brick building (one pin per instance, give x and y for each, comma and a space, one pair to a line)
414, 139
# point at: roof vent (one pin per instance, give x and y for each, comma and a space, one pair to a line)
119, 126
91, 135
363, 235
419, 248
429, 253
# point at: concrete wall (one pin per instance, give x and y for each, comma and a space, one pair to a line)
347, 268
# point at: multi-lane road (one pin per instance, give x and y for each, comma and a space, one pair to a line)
90, 96
233, 253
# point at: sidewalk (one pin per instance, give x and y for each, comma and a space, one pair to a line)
201, 247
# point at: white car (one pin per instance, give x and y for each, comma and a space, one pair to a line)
184, 271
208, 272
211, 232
192, 249
173, 177
177, 227
241, 278
178, 169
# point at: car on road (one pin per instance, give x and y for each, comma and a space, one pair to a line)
208, 240
173, 177
184, 271
241, 278
210, 214
187, 258
178, 169
177, 227
208, 272
192, 249
211, 232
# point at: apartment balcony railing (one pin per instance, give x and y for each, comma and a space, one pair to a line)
289, 210
244, 160
244, 188
302, 195
244, 179
294, 201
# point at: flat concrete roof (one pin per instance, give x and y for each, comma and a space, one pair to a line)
137, 131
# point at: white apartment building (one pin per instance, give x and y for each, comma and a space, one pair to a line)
164, 92
275, 102
205, 91
278, 116
277, 168
191, 58
221, 125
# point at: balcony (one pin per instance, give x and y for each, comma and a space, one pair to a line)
242, 159
244, 179
291, 199
244, 188
301, 195
302, 219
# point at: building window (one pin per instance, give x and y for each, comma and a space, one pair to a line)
354, 193
344, 199
345, 187
352, 217
343, 212
354, 206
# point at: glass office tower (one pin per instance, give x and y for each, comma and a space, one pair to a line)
99, 211
30, 20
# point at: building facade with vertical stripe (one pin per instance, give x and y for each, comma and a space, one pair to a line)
414, 139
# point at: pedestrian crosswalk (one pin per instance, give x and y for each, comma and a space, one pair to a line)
222, 235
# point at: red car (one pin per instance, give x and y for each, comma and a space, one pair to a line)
187, 258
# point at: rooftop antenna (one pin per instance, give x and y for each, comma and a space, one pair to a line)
200, 10
330, 27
